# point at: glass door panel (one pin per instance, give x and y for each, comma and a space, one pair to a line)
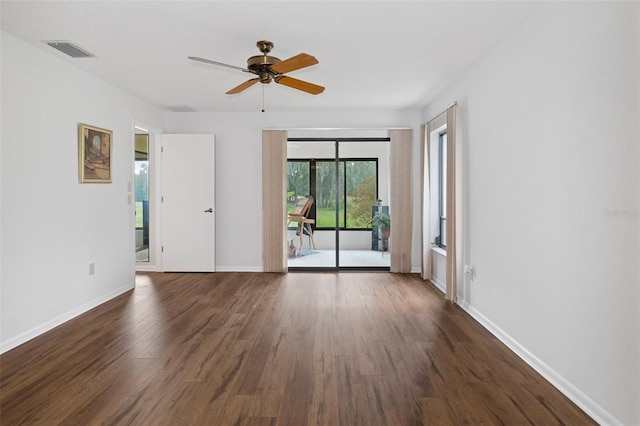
365, 194
311, 175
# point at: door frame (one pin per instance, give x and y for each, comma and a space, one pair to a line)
154, 217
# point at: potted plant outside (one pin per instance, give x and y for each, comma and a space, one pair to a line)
382, 222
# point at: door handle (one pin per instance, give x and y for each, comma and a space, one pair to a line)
209, 210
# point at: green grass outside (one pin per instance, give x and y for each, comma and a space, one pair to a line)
326, 217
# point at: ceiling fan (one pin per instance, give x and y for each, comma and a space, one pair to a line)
269, 68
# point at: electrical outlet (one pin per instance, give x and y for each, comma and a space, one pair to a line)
92, 268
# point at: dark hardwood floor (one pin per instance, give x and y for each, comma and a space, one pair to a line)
270, 349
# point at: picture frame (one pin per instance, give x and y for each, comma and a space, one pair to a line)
95, 146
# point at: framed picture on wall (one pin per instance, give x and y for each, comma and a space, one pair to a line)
94, 148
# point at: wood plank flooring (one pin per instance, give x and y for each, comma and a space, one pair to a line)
271, 349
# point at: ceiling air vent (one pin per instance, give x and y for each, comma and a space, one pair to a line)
70, 49
180, 108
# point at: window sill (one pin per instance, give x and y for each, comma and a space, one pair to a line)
439, 250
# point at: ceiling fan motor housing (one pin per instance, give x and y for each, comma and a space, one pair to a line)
261, 65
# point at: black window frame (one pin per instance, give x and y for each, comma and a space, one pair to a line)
312, 188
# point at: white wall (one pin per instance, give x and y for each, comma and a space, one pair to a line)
548, 125
439, 268
239, 168
52, 226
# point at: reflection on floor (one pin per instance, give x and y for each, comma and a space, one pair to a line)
142, 255
327, 258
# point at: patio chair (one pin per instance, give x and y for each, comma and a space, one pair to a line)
299, 215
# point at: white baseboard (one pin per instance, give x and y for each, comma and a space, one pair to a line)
438, 284
599, 414
146, 268
218, 269
239, 269
49, 325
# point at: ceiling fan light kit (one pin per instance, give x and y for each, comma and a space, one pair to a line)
269, 68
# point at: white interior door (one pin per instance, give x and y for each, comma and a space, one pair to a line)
188, 203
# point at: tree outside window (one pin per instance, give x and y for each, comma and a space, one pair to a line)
357, 190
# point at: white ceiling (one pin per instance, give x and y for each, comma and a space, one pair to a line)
373, 55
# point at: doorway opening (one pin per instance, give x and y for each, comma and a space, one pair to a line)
347, 181
141, 183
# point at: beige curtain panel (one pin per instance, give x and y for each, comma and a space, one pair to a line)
425, 144
401, 200
451, 293
274, 203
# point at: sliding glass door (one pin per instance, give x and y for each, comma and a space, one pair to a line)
345, 179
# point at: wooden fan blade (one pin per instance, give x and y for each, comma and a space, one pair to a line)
305, 86
294, 63
243, 86
209, 61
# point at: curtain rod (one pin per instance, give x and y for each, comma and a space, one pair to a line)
363, 139
454, 104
